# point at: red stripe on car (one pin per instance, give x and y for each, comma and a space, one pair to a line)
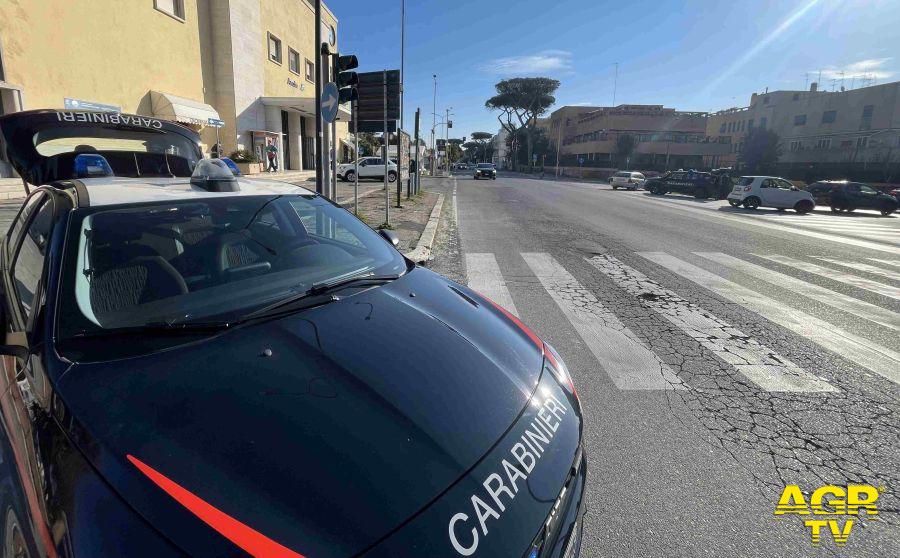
249, 539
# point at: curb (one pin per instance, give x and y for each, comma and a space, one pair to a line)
422, 251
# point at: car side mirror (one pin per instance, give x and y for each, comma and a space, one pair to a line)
390, 236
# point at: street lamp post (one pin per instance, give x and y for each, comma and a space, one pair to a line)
433, 124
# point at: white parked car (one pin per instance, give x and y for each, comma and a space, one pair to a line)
770, 191
627, 179
369, 167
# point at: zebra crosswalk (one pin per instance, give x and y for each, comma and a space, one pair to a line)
633, 364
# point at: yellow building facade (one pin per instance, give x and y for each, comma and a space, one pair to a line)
246, 62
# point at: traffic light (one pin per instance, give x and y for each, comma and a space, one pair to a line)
346, 80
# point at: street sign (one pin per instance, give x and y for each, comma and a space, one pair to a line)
329, 102
581, 160
89, 105
215, 122
373, 126
370, 105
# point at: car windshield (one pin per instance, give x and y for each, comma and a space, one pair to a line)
210, 260
485, 166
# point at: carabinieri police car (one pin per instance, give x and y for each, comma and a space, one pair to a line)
209, 365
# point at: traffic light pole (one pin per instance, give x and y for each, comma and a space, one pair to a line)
318, 87
415, 177
384, 147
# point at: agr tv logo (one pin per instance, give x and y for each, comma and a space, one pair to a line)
830, 500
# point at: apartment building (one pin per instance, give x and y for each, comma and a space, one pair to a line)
664, 138
249, 63
823, 132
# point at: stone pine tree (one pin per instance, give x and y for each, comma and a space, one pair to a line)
520, 102
481, 139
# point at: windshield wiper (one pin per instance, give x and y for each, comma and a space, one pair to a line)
326, 286
295, 303
166, 328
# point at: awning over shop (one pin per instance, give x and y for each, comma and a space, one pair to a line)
180, 109
304, 105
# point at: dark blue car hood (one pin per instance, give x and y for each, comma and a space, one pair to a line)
367, 409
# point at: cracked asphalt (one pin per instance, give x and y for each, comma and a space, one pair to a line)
694, 471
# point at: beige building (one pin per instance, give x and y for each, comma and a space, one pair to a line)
664, 137
821, 132
247, 62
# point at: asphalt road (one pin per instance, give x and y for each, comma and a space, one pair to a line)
719, 355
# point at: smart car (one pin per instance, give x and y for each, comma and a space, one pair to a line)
770, 191
208, 365
485, 170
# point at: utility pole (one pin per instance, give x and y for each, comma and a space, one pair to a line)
384, 150
418, 166
447, 141
433, 124
615, 84
318, 88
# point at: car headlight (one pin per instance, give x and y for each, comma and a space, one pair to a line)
559, 368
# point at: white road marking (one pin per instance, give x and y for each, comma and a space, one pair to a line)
874, 357
759, 364
835, 275
629, 362
484, 276
895, 263
874, 270
763, 222
854, 306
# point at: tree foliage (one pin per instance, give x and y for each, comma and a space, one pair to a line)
625, 145
520, 102
542, 146
761, 149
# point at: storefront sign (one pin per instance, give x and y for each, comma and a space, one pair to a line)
78, 104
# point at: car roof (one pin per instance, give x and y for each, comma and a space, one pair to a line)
113, 190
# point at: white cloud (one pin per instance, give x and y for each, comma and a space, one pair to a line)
544, 62
871, 67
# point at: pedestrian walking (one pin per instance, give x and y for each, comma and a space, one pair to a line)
272, 155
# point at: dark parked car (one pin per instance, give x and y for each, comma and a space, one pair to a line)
485, 170
198, 364
701, 185
843, 195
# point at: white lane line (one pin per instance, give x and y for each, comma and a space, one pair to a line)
874, 357
758, 363
835, 275
484, 276
854, 306
766, 224
629, 362
895, 263
874, 270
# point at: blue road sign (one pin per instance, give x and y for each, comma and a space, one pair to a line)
581, 160
329, 102
215, 122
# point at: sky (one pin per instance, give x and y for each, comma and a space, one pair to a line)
702, 55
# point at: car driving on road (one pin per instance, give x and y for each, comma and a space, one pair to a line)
844, 195
627, 179
485, 170
208, 365
770, 191
701, 185
369, 167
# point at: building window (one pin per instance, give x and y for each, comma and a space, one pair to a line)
762, 122
722, 128
862, 142
866, 121
750, 124
800, 120
846, 144
274, 49
310, 71
796, 145
294, 61
823, 143
174, 8
829, 116
796, 97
